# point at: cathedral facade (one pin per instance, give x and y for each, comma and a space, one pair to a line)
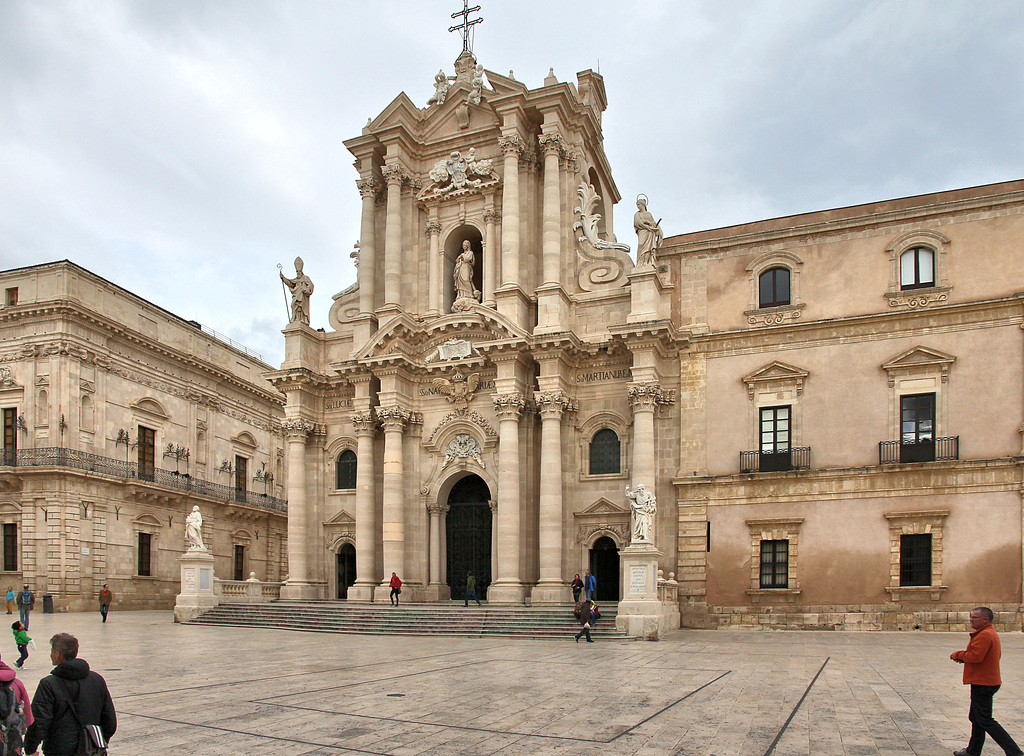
827, 407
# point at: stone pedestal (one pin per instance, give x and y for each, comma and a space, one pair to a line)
196, 594
641, 613
649, 295
296, 591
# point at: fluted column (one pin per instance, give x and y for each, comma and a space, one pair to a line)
365, 426
296, 433
394, 420
551, 587
394, 175
435, 271
511, 146
435, 510
490, 257
368, 188
644, 398
551, 242
508, 587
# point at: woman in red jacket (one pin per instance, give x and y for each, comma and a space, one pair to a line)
396, 588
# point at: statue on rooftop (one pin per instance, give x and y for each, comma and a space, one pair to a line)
440, 88
648, 232
301, 287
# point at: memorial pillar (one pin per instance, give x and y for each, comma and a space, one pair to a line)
394, 420
394, 175
508, 587
551, 587
368, 189
365, 426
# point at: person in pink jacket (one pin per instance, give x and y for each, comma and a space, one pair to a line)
8, 675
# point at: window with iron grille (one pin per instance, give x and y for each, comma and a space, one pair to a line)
916, 559
345, 470
775, 564
10, 547
773, 288
145, 542
917, 268
605, 454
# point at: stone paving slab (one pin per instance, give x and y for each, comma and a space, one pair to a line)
183, 689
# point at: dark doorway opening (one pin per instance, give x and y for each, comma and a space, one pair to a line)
469, 536
604, 565
346, 569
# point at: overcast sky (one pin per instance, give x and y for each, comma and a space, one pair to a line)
184, 148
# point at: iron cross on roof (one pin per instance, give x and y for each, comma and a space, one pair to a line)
466, 25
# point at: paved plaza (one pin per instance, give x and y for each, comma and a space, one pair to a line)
209, 690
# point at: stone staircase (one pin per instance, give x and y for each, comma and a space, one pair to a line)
450, 618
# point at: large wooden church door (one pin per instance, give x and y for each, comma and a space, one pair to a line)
469, 536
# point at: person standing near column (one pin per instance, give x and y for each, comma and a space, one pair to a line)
589, 584
981, 672
105, 598
396, 588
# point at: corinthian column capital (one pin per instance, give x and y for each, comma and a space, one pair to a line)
364, 423
511, 145
368, 187
433, 228
554, 404
393, 418
551, 143
508, 406
645, 397
295, 430
394, 174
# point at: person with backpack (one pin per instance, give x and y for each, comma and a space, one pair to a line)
22, 640
26, 603
71, 698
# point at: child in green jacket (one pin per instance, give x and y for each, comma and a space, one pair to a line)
22, 640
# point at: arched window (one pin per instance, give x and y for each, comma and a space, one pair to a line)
346, 470
605, 456
773, 288
917, 268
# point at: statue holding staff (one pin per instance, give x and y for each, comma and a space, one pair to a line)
301, 287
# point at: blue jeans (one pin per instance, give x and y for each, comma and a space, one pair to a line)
23, 650
982, 721
24, 611
471, 595
104, 608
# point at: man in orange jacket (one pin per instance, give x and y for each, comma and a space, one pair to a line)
981, 672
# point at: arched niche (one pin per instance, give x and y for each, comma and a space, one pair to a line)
452, 249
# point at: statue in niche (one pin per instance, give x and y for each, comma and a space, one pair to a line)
301, 287
465, 294
643, 506
440, 89
194, 530
648, 232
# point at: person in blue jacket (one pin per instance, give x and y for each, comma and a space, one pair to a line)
589, 584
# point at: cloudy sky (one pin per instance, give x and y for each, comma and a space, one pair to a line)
184, 148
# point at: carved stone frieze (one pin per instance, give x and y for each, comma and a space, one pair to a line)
457, 172
474, 417
915, 299
774, 316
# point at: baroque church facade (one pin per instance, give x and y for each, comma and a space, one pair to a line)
827, 407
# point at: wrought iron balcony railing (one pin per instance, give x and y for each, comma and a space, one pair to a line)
925, 450
785, 459
61, 457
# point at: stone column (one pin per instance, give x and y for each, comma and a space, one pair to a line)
490, 257
365, 426
434, 269
435, 510
511, 146
644, 398
368, 188
394, 420
508, 587
553, 146
394, 175
551, 587
298, 587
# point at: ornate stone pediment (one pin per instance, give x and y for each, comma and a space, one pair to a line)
338, 529
603, 506
919, 360
776, 374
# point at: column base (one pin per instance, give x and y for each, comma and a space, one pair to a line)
293, 591
437, 592
361, 593
507, 593
555, 592
513, 303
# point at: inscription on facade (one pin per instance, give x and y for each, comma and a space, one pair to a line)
334, 404
638, 579
609, 373
428, 390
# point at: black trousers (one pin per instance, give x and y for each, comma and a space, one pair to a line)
982, 722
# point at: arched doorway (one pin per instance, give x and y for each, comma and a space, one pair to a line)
469, 536
346, 569
604, 565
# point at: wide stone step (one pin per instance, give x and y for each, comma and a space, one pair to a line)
410, 619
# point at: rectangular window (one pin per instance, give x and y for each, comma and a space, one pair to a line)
241, 471
775, 439
10, 451
147, 453
917, 428
145, 564
10, 547
239, 562
11, 297
775, 564
916, 559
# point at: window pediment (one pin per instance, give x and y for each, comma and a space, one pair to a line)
775, 375
919, 360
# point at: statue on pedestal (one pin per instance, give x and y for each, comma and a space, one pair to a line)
465, 294
301, 287
643, 506
194, 530
648, 232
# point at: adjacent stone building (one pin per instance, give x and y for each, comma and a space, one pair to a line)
118, 418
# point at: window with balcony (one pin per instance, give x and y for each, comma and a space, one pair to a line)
146, 453
774, 449
10, 450
345, 470
10, 547
774, 564
605, 452
241, 471
917, 428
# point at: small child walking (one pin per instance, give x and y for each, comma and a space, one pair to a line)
22, 640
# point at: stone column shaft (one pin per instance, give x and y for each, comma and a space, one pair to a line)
551, 235
511, 146
435, 544
367, 247
296, 432
490, 258
550, 587
644, 399
508, 585
394, 175
393, 529
434, 269
366, 510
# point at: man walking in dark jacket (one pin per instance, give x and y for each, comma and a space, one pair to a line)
70, 683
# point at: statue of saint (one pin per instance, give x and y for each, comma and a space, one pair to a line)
644, 506
648, 232
463, 276
194, 529
301, 287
